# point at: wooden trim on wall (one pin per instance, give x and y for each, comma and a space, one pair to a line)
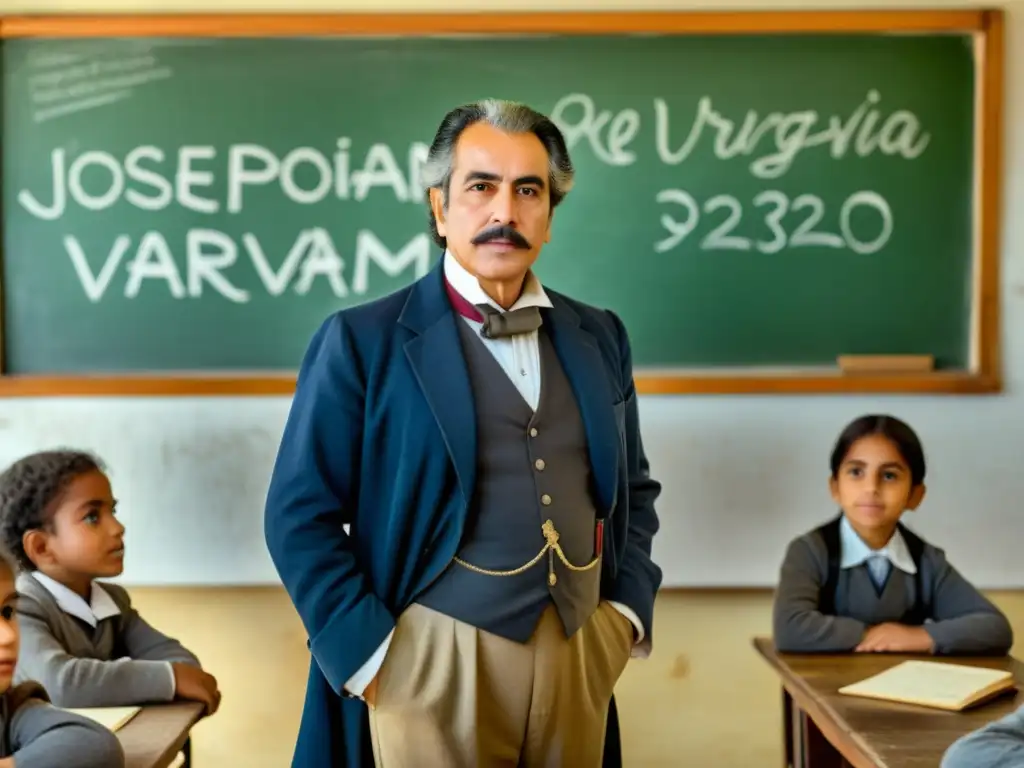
989, 137
205, 383
562, 22
799, 383
171, 384
987, 24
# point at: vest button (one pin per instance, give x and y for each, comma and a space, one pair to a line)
539, 464
533, 431
545, 500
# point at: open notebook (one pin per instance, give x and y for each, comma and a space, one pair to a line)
953, 687
112, 717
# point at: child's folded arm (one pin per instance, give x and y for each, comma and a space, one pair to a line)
43, 736
999, 744
964, 620
81, 682
798, 624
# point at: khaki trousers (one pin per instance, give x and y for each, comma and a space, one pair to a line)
453, 696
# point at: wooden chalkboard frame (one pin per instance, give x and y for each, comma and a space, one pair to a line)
986, 26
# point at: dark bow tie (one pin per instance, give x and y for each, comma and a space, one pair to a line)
499, 325
496, 324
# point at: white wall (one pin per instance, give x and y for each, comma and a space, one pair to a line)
741, 474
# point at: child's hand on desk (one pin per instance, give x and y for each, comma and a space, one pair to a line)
895, 638
196, 685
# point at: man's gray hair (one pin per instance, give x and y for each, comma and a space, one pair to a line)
507, 116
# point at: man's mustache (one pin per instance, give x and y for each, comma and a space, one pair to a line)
502, 232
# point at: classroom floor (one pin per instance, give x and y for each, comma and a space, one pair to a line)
703, 698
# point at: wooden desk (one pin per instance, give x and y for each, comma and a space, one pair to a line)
157, 733
825, 729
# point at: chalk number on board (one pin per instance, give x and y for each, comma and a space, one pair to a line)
772, 207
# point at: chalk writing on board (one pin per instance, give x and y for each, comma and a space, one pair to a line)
619, 129
152, 179
73, 76
68, 82
775, 140
774, 205
209, 252
142, 181
140, 178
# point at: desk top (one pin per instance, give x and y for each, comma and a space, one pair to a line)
880, 734
157, 733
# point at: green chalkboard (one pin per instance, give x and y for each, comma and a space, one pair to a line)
201, 205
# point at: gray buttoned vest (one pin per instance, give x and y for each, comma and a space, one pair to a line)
532, 468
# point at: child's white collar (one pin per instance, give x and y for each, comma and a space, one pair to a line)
100, 606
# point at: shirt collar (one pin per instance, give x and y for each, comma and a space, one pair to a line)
855, 551
466, 284
100, 606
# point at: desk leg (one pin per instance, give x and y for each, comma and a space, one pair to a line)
186, 749
816, 750
787, 729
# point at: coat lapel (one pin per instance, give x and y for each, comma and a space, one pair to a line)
435, 355
588, 375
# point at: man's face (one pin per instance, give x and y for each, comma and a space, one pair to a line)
499, 204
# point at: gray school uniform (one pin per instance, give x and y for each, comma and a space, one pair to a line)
960, 620
39, 735
102, 654
999, 744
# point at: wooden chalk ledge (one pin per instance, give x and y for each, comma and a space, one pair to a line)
861, 364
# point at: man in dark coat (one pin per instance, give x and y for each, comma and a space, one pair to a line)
479, 435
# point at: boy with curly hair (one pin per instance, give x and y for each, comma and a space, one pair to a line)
81, 638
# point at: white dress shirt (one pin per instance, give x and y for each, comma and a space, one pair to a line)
519, 357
